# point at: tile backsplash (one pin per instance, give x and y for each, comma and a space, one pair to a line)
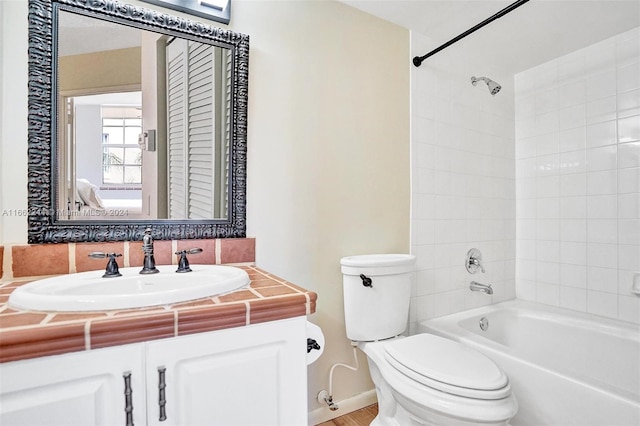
54, 259
578, 179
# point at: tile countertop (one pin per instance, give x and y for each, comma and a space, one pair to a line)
31, 334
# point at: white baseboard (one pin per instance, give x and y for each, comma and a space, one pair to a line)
346, 406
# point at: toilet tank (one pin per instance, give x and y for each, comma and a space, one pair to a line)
379, 310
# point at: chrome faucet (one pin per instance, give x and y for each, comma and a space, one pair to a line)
149, 264
485, 288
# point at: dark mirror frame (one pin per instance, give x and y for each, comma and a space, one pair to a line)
43, 225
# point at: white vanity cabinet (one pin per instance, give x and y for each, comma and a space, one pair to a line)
253, 375
77, 389
250, 376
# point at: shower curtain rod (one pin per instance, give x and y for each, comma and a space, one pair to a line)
417, 61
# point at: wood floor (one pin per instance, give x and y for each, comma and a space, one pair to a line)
361, 417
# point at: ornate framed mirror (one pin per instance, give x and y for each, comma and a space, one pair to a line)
136, 118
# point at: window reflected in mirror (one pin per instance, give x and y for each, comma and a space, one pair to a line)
103, 157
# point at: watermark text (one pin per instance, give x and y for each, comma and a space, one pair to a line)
84, 213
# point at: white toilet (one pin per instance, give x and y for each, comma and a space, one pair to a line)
422, 379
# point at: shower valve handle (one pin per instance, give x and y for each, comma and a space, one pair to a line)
477, 263
474, 261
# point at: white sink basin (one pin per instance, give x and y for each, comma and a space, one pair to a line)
88, 291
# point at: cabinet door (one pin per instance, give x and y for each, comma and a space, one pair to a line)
253, 375
81, 388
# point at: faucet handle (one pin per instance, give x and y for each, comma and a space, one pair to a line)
477, 263
474, 261
112, 269
98, 255
183, 263
101, 255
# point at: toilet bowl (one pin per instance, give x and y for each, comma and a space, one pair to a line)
429, 380
422, 379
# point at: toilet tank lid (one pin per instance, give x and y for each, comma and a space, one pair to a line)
382, 263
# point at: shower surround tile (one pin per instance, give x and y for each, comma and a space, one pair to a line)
599, 137
463, 185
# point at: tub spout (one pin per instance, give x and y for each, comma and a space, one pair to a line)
485, 288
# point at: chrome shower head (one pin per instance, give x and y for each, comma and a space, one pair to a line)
492, 85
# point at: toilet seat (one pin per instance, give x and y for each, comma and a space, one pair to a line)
447, 366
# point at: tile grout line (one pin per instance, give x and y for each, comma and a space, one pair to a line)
125, 254
174, 249
7, 264
87, 336
72, 258
307, 304
256, 293
175, 323
47, 318
247, 313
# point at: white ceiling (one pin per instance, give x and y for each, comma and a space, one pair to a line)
79, 34
534, 33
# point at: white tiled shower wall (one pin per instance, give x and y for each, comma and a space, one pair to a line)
463, 187
578, 179
561, 171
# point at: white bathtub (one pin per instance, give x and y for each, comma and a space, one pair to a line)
565, 367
